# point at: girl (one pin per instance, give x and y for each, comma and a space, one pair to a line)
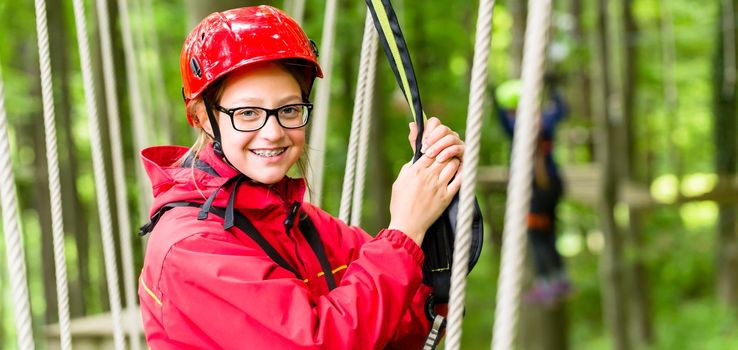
236, 259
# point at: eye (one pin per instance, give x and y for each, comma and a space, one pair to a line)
246, 113
289, 110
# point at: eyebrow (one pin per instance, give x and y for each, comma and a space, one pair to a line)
258, 101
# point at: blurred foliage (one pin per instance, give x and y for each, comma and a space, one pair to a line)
678, 242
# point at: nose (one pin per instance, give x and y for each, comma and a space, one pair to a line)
272, 131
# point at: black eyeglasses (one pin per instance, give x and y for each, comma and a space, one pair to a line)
292, 116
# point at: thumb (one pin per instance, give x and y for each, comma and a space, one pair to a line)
413, 135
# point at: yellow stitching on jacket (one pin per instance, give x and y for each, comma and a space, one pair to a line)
149, 291
342, 267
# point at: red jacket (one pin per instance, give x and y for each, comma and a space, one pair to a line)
206, 288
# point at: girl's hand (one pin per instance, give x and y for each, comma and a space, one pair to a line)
423, 190
420, 194
439, 141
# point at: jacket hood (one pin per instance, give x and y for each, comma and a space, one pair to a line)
172, 182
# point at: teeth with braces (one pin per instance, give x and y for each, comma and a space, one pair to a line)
269, 153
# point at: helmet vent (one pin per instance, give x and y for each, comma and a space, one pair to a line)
314, 47
195, 67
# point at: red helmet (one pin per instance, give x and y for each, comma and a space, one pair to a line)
225, 41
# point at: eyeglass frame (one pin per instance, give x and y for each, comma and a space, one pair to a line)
269, 112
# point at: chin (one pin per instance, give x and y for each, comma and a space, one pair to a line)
267, 179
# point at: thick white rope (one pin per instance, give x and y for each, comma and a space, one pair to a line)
366, 126
474, 120
521, 176
13, 239
353, 147
52, 159
322, 100
140, 131
121, 197
106, 227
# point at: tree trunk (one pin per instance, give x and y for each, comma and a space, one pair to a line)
581, 107
640, 306
611, 264
724, 92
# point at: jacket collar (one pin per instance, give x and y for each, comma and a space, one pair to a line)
172, 183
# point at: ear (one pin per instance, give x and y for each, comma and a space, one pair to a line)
201, 118
204, 123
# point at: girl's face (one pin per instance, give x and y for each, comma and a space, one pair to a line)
264, 155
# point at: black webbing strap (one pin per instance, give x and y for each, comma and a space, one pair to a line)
311, 236
390, 35
439, 239
240, 221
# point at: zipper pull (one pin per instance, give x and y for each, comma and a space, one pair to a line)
291, 215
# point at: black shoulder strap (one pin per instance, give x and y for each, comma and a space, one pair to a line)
240, 221
311, 236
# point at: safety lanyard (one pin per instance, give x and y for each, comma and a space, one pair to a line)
390, 35
436, 244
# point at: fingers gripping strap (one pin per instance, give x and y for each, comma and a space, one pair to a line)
390, 34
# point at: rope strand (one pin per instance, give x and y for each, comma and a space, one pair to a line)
521, 177
140, 136
366, 126
13, 239
349, 173
52, 159
106, 228
474, 120
121, 197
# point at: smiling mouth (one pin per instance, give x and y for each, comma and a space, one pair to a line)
268, 153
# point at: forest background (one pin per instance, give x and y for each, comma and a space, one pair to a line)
651, 87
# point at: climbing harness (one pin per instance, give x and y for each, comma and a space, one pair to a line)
234, 218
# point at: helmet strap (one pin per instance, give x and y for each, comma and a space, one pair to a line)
217, 144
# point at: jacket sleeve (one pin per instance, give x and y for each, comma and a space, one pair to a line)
414, 325
554, 114
218, 293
